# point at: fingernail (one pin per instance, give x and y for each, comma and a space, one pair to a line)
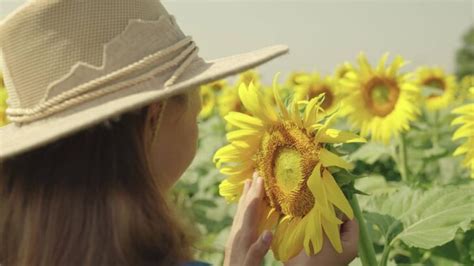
267, 237
254, 175
247, 182
259, 179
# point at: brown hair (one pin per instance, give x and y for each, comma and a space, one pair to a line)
88, 199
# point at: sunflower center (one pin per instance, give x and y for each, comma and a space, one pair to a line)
285, 160
381, 95
436, 85
287, 169
328, 96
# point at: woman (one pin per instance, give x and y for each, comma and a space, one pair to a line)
103, 106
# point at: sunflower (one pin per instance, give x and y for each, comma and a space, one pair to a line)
466, 120
3, 102
289, 150
439, 89
342, 70
228, 101
249, 76
218, 85
314, 85
208, 99
380, 101
294, 78
467, 87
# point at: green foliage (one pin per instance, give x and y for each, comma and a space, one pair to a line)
422, 219
465, 55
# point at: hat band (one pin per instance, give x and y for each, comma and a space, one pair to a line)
89, 90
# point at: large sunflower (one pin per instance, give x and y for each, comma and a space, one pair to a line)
466, 120
439, 89
380, 101
313, 85
289, 150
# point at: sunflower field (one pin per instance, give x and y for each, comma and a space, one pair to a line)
395, 149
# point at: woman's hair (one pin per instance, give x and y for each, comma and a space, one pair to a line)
88, 199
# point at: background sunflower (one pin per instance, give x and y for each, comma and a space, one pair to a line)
381, 102
208, 101
438, 88
313, 85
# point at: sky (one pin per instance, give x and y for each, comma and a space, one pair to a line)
323, 34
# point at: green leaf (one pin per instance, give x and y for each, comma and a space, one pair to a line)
388, 226
430, 218
371, 152
342, 176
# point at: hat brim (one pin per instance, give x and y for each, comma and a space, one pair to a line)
15, 139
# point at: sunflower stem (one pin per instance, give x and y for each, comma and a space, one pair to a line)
436, 128
385, 253
403, 167
366, 249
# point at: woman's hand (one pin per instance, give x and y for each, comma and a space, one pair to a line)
327, 255
244, 247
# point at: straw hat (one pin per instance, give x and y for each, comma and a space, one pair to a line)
71, 64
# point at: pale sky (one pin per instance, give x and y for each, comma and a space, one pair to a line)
322, 34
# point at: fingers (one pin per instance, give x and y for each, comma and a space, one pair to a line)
253, 199
247, 185
350, 237
244, 244
258, 249
350, 231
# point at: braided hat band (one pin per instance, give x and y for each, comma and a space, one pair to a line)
89, 90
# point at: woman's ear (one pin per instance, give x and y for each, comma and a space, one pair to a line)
153, 113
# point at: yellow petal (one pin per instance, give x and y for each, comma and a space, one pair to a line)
383, 60
280, 234
331, 135
313, 240
238, 168
244, 121
365, 68
397, 63
464, 131
335, 195
279, 102
332, 232
316, 187
460, 150
330, 159
254, 102
293, 242
231, 191
242, 134
312, 110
